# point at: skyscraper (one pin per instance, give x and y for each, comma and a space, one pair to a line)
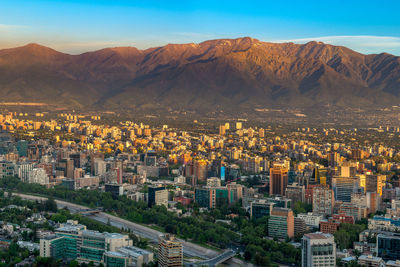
344, 186
318, 249
323, 200
170, 251
375, 183
222, 130
278, 180
281, 223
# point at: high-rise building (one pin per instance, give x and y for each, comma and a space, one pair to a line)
300, 226
22, 170
72, 241
38, 176
388, 246
333, 159
158, 196
260, 208
116, 190
261, 133
170, 251
322, 200
99, 167
295, 192
67, 167
235, 192
344, 186
222, 130
200, 170
227, 126
278, 180
213, 182
6, 169
281, 223
375, 183
318, 249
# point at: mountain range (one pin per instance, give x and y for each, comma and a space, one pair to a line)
223, 74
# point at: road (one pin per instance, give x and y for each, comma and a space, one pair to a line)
214, 261
189, 249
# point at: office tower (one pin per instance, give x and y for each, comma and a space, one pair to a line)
150, 160
158, 196
333, 159
116, 190
77, 158
38, 176
53, 246
22, 148
281, 223
347, 171
310, 219
99, 167
344, 186
147, 132
200, 170
261, 133
127, 256
78, 173
66, 166
170, 251
214, 182
319, 176
6, 169
322, 200
95, 244
388, 246
252, 164
260, 208
278, 180
209, 197
235, 192
375, 183
250, 133
72, 241
222, 130
318, 249
22, 170
238, 125
300, 226
295, 192
227, 126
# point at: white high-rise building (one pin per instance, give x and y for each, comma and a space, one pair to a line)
38, 176
22, 170
100, 167
318, 249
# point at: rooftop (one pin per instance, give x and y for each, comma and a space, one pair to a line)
318, 235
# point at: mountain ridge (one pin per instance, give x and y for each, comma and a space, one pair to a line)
226, 74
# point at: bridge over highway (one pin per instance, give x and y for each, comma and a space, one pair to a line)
228, 254
89, 211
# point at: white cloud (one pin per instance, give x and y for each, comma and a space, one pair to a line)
361, 43
9, 27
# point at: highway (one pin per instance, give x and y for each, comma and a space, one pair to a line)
189, 249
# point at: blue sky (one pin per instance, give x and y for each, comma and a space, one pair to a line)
79, 26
